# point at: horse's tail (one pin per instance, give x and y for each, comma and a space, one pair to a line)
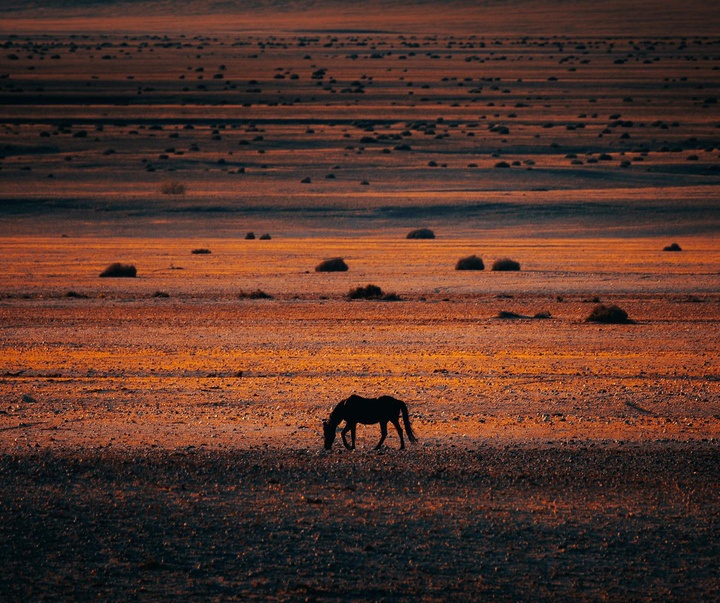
406, 420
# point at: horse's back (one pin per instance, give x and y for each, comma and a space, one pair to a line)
371, 410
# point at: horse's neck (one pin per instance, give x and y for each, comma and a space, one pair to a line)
338, 414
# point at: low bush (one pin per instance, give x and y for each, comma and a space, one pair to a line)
672, 247
421, 233
332, 265
201, 251
608, 314
505, 264
250, 236
472, 262
265, 237
118, 270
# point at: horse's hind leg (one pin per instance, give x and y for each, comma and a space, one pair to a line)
383, 435
396, 422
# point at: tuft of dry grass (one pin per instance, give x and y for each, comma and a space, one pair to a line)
421, 233
608, 314
332, 265
367, 292
472, 262
118, 270
505, 265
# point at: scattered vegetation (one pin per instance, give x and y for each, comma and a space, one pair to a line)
608, 314
472, 262
265, 237
76, 295
250, 236
161, 294
332, 265
672, 247
421, 233
201, 251
173, 188
118, 270
505, 265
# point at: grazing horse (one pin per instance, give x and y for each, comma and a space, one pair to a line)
367, 411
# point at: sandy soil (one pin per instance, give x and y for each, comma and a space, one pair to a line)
160, 436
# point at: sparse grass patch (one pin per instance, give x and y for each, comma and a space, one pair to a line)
472, 262
118, 270
421, 233
608, 314
161, 294
172, 188
505, 265
201, 251
332, 265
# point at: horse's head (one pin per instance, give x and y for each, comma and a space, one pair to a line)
329, 434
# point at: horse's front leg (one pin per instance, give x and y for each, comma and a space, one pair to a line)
351, 428
383, 434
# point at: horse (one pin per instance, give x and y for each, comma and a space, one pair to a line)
368, 411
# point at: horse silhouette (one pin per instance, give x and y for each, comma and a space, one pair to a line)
368, 411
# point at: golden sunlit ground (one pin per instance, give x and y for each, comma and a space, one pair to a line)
161, 436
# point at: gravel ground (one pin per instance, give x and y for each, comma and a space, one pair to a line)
433, 523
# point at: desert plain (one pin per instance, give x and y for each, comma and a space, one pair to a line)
161, 436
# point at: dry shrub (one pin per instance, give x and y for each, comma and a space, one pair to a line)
250, 236
421, 233
257, 294
201, 251
265, 237
610, 314
505, 265
332, 265
367, 292
118, 270
672, 247
173, 188
472, 262
372, 292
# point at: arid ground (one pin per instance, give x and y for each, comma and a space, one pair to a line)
161, 436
